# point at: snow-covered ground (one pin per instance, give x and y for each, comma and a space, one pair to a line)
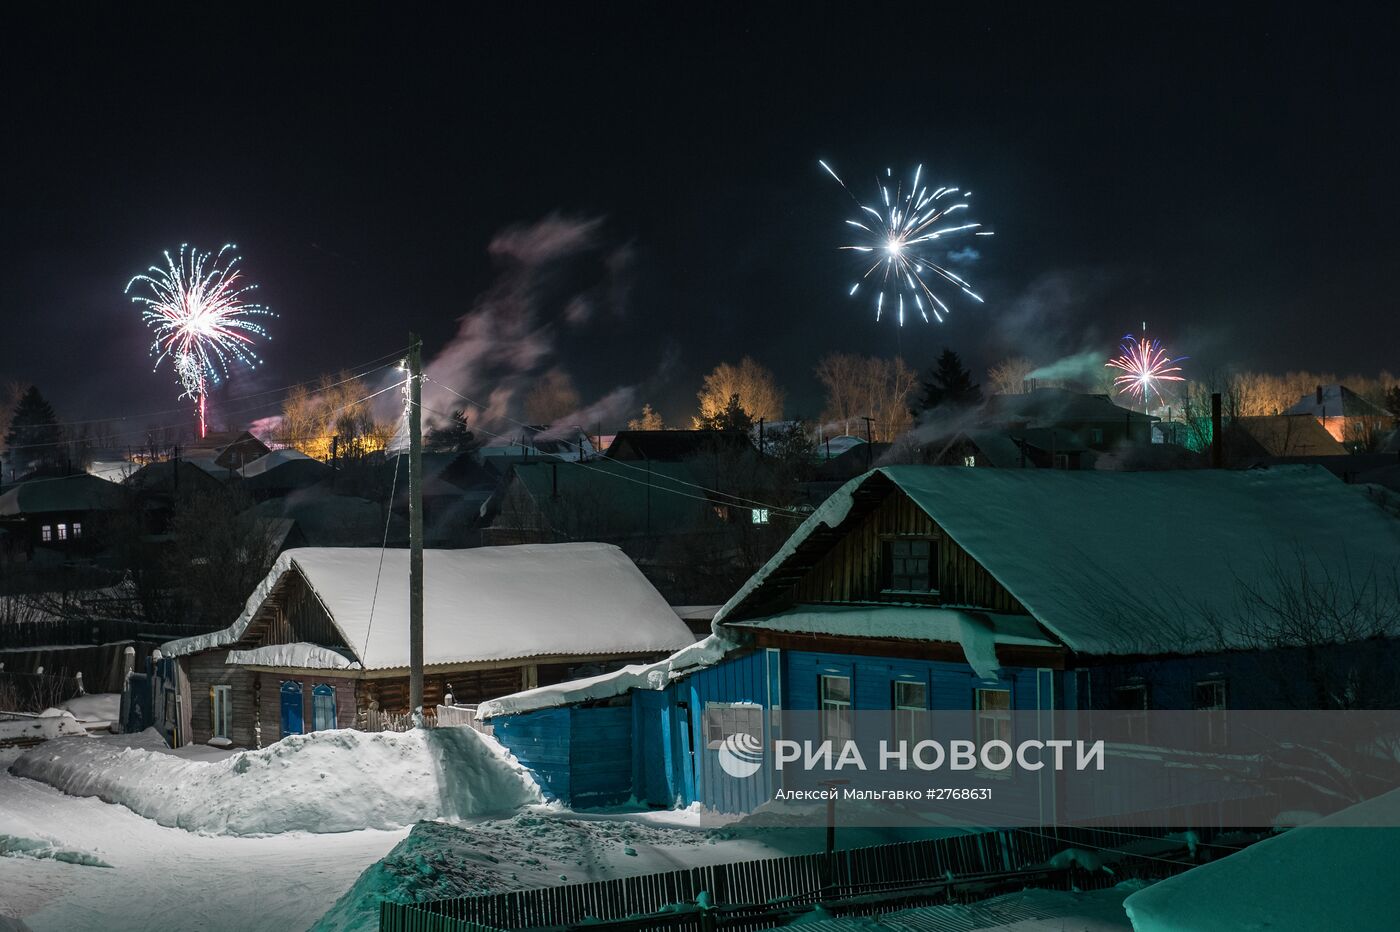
16, 728
329, 781
77, 861
161, 877
1334, 873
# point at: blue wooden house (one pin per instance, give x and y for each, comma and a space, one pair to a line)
944, 588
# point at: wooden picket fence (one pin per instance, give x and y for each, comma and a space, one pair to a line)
766, 893
33, 634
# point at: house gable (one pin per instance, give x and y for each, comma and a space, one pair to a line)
844, 563
292, 613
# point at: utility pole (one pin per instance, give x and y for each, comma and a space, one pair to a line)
415, 529
869, 441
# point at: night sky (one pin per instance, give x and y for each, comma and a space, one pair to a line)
1231, 178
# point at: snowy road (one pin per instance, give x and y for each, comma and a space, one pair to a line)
165, 877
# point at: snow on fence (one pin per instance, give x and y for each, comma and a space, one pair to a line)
765, 893
461, 715
439, 717
377, 721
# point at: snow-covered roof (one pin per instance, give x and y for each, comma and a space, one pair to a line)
1280, 435
977, 632
656, 675
832, 447
1089, 553
999, 449
78, 492
1335, 401
695, 612
1325, 875
271, 461
298, 655
482, 604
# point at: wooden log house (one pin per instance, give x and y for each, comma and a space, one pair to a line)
323, 642
987, 591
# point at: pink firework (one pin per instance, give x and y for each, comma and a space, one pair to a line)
201, 319
1145, 364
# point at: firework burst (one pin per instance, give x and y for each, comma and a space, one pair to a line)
197, 306
903, 242
1145, 364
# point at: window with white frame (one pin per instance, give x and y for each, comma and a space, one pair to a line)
910, 701
970, 460
834, 701
77, 529
63, 532
322, 707
723, 719
760, 515
221, 711
46, 533
993, 716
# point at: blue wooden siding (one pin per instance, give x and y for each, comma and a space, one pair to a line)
951, 686
600, 756
581, 756
540, 741
655, 751
744, 679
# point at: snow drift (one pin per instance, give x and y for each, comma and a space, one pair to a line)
329, 781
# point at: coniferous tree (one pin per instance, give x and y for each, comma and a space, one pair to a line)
35, 439
949, 383
731, 417
649, 420
453, 437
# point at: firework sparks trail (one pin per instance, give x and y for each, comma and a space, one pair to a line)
904, 236
1144, 364
202, 321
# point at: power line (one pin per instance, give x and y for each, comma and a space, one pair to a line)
383, 546
145, 432
271, 391
784, 512
735, 499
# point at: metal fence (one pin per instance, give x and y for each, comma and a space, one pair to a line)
770, 892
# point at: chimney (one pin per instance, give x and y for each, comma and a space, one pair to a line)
1217, 442
1319, 394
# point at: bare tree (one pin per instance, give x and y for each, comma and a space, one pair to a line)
332, 418
844, 376
1009, 376
759, 395
221, 550
867, 386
